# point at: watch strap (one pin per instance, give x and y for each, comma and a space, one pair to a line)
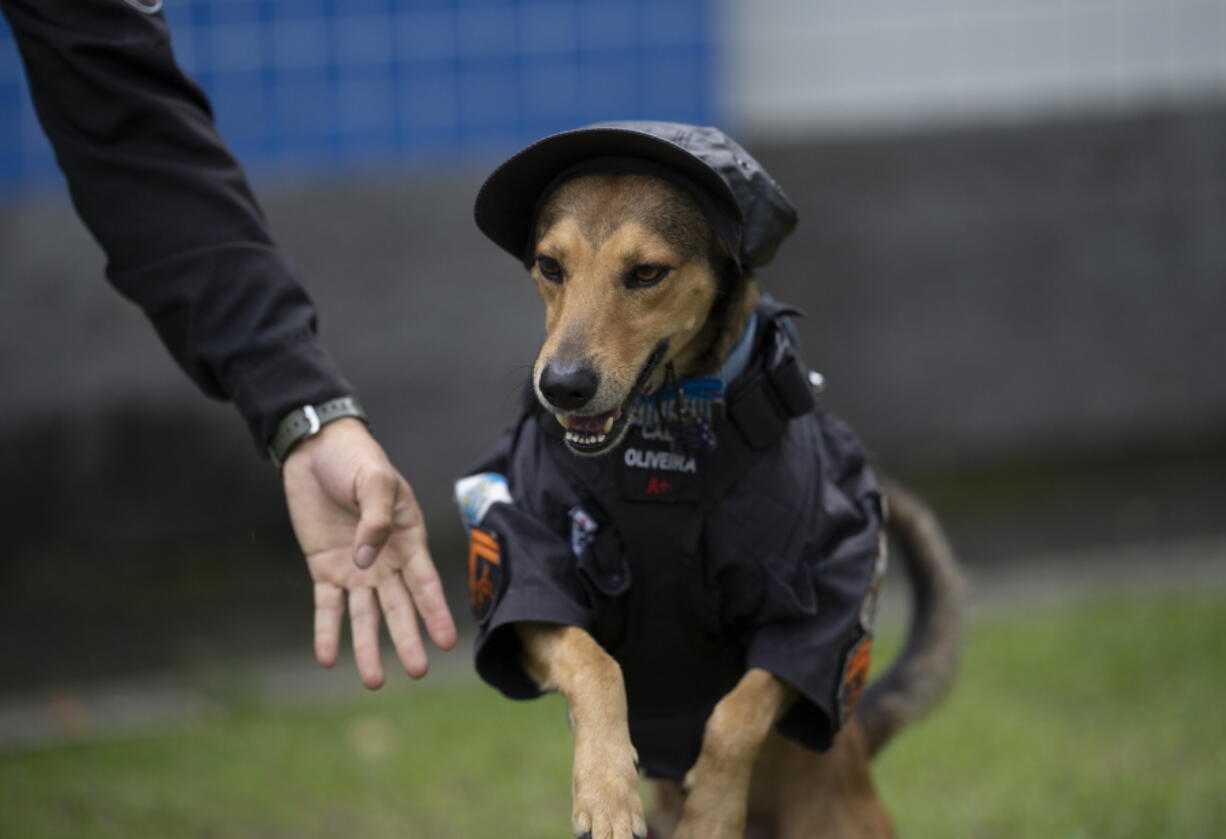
306, 421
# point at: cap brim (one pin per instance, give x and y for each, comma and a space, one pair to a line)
507, 201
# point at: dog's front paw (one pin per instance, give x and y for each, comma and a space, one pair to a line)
605, 790
715, 804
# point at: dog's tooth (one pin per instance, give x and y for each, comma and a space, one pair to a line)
561, 418
608, 425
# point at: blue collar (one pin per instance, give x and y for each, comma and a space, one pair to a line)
690, 415
710, 388
734, 365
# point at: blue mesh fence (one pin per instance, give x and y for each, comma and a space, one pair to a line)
307, 85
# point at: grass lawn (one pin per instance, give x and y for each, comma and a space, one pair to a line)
1102, 720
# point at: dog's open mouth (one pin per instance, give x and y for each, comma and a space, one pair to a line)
593, 434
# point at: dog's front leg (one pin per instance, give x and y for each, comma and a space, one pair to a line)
718, 785
604, 785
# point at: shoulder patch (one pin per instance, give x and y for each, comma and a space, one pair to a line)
855, 677
582, 530
486, 572
477, 493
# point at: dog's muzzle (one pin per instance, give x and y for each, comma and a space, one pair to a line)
594, 434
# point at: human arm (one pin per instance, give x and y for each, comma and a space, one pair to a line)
185, 240
171, 208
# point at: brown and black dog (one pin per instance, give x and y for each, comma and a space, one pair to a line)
627, 264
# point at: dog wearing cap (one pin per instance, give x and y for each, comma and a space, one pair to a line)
675, 534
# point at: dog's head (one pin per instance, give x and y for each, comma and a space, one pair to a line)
640, 238
629, 271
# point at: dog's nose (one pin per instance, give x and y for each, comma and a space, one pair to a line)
569, 387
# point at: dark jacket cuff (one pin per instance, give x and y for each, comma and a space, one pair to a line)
800, 654
302, 373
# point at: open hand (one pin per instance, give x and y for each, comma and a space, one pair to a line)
361, 530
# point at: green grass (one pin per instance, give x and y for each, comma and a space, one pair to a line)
1105, 720
450, 761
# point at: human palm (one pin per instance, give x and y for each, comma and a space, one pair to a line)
362, 532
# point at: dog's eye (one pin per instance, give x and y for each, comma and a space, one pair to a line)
645, 275
550, 268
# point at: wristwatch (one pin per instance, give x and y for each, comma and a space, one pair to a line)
306, 421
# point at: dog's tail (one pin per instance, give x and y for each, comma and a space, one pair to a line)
924, 671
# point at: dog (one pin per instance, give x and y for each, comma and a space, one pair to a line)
675, 536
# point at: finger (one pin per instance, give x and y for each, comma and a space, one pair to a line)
402, 625
364, 621
426, 588
375, 492
329, 607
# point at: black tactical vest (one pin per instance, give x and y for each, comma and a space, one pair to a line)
690, 567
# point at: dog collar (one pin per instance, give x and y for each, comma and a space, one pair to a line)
685, 409
737, 360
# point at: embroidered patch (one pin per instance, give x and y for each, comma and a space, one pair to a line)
582, 530
477, 493
485, 572
638, 485
646, 472
855, 677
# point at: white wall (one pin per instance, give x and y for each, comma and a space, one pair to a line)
799, 66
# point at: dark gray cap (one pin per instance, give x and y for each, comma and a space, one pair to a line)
748, 210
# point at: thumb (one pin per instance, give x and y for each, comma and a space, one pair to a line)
375, 493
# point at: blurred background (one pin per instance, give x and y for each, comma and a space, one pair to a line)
1012, 255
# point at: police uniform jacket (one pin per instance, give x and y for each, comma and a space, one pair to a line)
688, 567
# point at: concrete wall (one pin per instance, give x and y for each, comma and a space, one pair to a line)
798, 66
984, 293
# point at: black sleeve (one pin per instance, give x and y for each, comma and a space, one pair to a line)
824, 653
154, 183
520, 564
539, 585
817, 654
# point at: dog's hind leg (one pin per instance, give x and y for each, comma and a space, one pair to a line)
670, 801
717, 802
604, 780
820, 796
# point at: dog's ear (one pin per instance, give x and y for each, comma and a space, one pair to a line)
729, 277
735, 294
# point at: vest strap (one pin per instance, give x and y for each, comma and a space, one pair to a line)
774, 391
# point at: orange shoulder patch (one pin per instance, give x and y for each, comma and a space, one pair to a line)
485, 571
855, 677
